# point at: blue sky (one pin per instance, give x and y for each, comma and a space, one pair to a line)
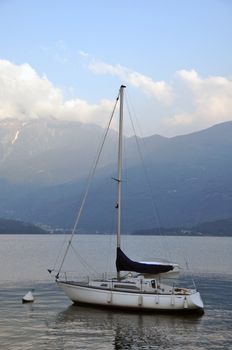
175, 57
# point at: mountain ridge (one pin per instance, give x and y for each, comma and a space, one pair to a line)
190, 177
16, 227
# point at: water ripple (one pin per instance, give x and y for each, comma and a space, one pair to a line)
52, 323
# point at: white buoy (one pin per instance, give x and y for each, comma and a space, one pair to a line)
28, 298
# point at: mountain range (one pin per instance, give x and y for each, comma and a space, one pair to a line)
169, 182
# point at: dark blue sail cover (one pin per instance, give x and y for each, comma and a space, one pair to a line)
123, 263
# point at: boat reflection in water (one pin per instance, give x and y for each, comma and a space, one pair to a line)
118, 330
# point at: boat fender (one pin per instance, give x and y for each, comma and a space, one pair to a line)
109, 298
185, 303
140, 300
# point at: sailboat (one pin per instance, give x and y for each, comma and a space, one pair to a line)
141, 288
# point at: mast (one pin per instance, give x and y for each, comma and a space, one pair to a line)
119, 179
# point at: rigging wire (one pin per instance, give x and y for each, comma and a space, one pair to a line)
89, 181
154, 205
83, 261
126, 193
59, 253
155, 210
112, 229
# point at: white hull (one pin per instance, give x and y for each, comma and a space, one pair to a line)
131, 300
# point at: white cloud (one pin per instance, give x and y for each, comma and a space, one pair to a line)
83, 54
25, 95
160, 90
181, 119
191, 103
211, 100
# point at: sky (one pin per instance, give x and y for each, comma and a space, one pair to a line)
66, 59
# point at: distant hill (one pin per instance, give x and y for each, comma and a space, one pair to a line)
43, 171
212, 228
18, 227
49, 151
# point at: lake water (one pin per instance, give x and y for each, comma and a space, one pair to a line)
52, 322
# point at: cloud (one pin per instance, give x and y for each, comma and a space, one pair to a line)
26, 95
190, 103
83, 54
160, 90
210, 100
